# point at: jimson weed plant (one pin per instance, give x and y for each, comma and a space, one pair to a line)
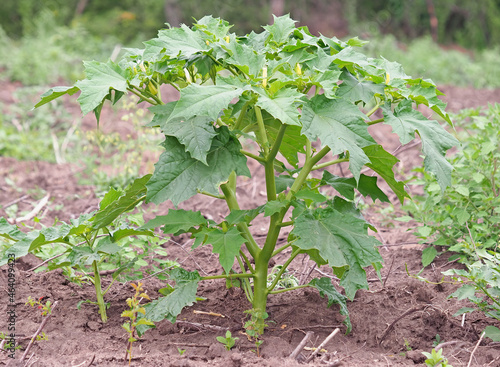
306, 103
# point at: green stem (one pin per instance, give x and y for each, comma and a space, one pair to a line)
211, 195
326, 164
373, 110
228, 276
282, 248
242, 115
261, 132
245, 258
232, 204
98, 292
283, 269
289, 289
142, 96
245, 285
253, 156
286, 224
374, 121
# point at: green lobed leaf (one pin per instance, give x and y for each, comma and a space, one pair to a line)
204, 100
176, 221
226, 244
341, 126
244, 57
342, 240
405, 121
355, 90
170, 306
325, 287
243, 216
282, 105
178, 176
281, 29
367, 186
101, 79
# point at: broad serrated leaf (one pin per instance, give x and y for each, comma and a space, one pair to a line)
428, 255
170, 306
101, 79
244, 57
204, 100
176, 221
178, 176
54, 93
282, 105
281, 29
342, 240
273, 207
355, 90
382, 162
339, 125
367, 186
174, 42
226, 244
325, 287
126, 202
10, 231
405, 121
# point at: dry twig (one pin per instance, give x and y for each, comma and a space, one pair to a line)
391, 326
474, 350
332, 334
40, 328
301, 345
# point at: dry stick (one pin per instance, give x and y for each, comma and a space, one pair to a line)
332, 334
301, 345
40, 328
474, 350
35, 210
388, 273
391, 326
202, 326
451, 342
10, 203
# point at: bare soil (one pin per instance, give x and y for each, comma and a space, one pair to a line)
393, 322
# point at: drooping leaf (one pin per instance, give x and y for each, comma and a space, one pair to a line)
126, 202
428, 255
176, 221
339, 125
382, 162
342, 240
405, 121
101, 79
54, 93
325, 287
367, 186
178, 176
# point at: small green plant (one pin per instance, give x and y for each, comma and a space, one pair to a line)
301, 105
437, 340
181, 351
44, 308
436, 359
470, 209
135, 308
407, 345
92, 243
228, 340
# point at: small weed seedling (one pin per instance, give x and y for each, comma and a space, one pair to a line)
228, 340
135, 308
301, 105
44, 308
436, 359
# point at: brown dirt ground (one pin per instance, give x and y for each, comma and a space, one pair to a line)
418, 311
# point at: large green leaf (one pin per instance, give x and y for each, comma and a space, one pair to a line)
101, 79
244, 57
325, 287
176, 221
174, 42
355, 90
226, 244
204, 100
367, 186
282, 106
342, 240
339, 125
405, 121
281, 29
178, 176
